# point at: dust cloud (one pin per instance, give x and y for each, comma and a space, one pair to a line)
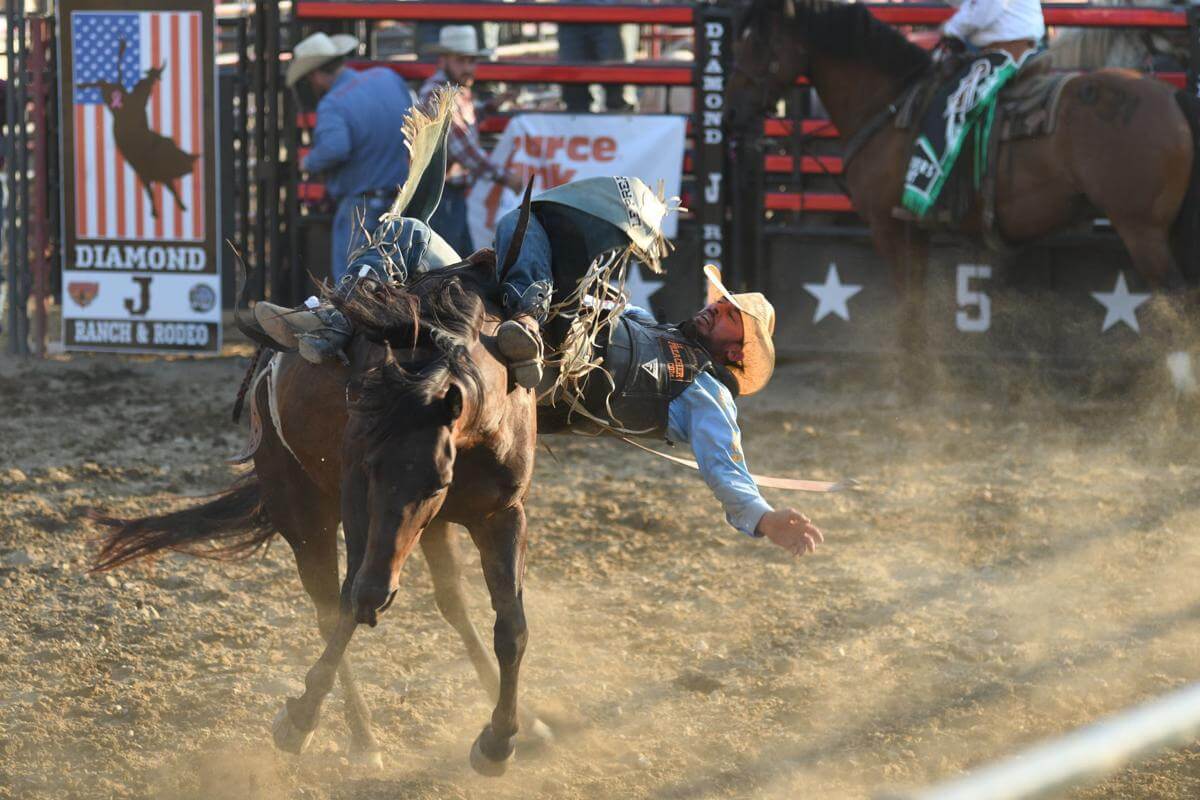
1021, 560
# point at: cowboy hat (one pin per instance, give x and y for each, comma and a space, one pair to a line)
459, 40
758, 325
316, 51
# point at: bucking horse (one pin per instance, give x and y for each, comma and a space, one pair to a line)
421, 428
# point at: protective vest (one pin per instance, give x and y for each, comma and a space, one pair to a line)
650, 366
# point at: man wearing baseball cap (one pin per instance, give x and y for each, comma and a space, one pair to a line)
357, 142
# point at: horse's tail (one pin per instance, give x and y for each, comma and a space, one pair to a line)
233, 524
1185, 231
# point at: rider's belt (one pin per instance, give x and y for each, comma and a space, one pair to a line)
650, 366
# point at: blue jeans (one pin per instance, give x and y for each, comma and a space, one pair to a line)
587, 43
354, 216
529, 285
450, 220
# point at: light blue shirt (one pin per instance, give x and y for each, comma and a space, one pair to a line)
705, 417
357, 141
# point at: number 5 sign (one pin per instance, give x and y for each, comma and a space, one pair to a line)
975, 307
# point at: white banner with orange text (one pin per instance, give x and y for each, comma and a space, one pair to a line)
559, 148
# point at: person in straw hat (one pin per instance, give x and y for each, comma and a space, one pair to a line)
356, 142
458, 51
680, 381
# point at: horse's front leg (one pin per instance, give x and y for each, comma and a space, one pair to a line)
501, 543
907, 250
445, 568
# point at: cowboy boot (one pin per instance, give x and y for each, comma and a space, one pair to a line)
284, 325
520, 342
319, 332
519, 338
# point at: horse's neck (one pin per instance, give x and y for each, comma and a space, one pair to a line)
851, 92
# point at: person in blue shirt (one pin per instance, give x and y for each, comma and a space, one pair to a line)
679, 381
356, 142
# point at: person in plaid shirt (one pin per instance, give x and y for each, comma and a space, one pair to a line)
467, 162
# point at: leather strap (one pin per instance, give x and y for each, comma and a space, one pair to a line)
793, 484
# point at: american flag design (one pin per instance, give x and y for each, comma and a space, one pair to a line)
139, 125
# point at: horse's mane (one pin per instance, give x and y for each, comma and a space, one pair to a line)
431, 322
848, 30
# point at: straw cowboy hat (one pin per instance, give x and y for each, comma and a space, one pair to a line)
459, 40
758, 326
316, 51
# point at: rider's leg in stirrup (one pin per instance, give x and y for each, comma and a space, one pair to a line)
318, 330
526, 292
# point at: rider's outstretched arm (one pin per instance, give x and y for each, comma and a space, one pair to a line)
705, 416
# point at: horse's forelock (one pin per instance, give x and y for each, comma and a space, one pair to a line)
440, 309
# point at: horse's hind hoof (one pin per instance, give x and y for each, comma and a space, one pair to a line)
371, 760
534, 738
288, 737
484, 764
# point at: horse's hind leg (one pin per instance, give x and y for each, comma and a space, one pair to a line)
445, 569
316, 560
1149, 247
501, 542
175, 193
308, 518
150, 193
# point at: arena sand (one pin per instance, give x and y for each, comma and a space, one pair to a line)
1022, 561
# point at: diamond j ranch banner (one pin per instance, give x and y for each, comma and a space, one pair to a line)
138, 110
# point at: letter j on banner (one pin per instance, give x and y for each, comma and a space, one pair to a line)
138, 107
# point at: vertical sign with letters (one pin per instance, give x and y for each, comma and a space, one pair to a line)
138, 108
714, 38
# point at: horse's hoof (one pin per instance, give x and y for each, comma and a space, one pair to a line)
371, 760
1179, 365
535, 737
482, 763
288, 737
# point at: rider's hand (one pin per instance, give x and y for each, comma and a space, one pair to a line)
791, 530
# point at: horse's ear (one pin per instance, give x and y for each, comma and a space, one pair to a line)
453, 403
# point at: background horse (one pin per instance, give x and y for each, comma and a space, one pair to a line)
1124, 147
1091, 48
419, 431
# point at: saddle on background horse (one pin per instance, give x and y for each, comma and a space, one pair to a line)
1026, 106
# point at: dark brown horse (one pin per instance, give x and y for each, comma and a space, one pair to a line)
419, 431
1124, 148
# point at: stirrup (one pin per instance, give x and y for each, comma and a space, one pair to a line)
324, 346
526, 374
522, 349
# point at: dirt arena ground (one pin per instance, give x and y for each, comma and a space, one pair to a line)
1023, 560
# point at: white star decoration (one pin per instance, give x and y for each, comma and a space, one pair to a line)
1120, 305
638, 289
832, 295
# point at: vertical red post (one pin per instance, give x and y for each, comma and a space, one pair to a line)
39, 228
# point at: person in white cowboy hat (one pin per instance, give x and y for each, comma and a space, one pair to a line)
356, 143
466, 161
